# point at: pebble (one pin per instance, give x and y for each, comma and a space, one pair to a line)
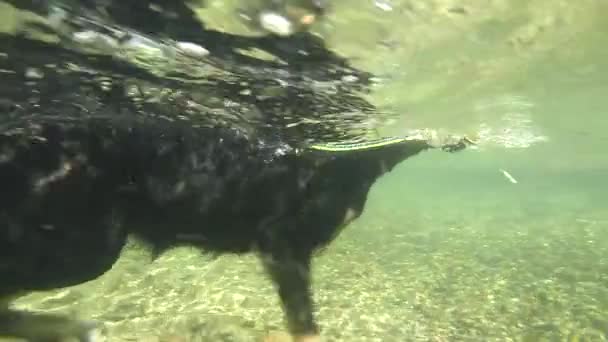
192, 49
275, 23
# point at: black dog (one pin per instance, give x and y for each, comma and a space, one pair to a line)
72, 192
93, 149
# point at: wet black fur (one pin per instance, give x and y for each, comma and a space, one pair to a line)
83, 165
73, 192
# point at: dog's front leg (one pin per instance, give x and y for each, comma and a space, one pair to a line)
291, 274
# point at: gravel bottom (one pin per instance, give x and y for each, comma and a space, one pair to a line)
389, 277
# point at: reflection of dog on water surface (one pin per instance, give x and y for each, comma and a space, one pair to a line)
279, 17
94, 149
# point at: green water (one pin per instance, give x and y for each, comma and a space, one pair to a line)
448, 249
